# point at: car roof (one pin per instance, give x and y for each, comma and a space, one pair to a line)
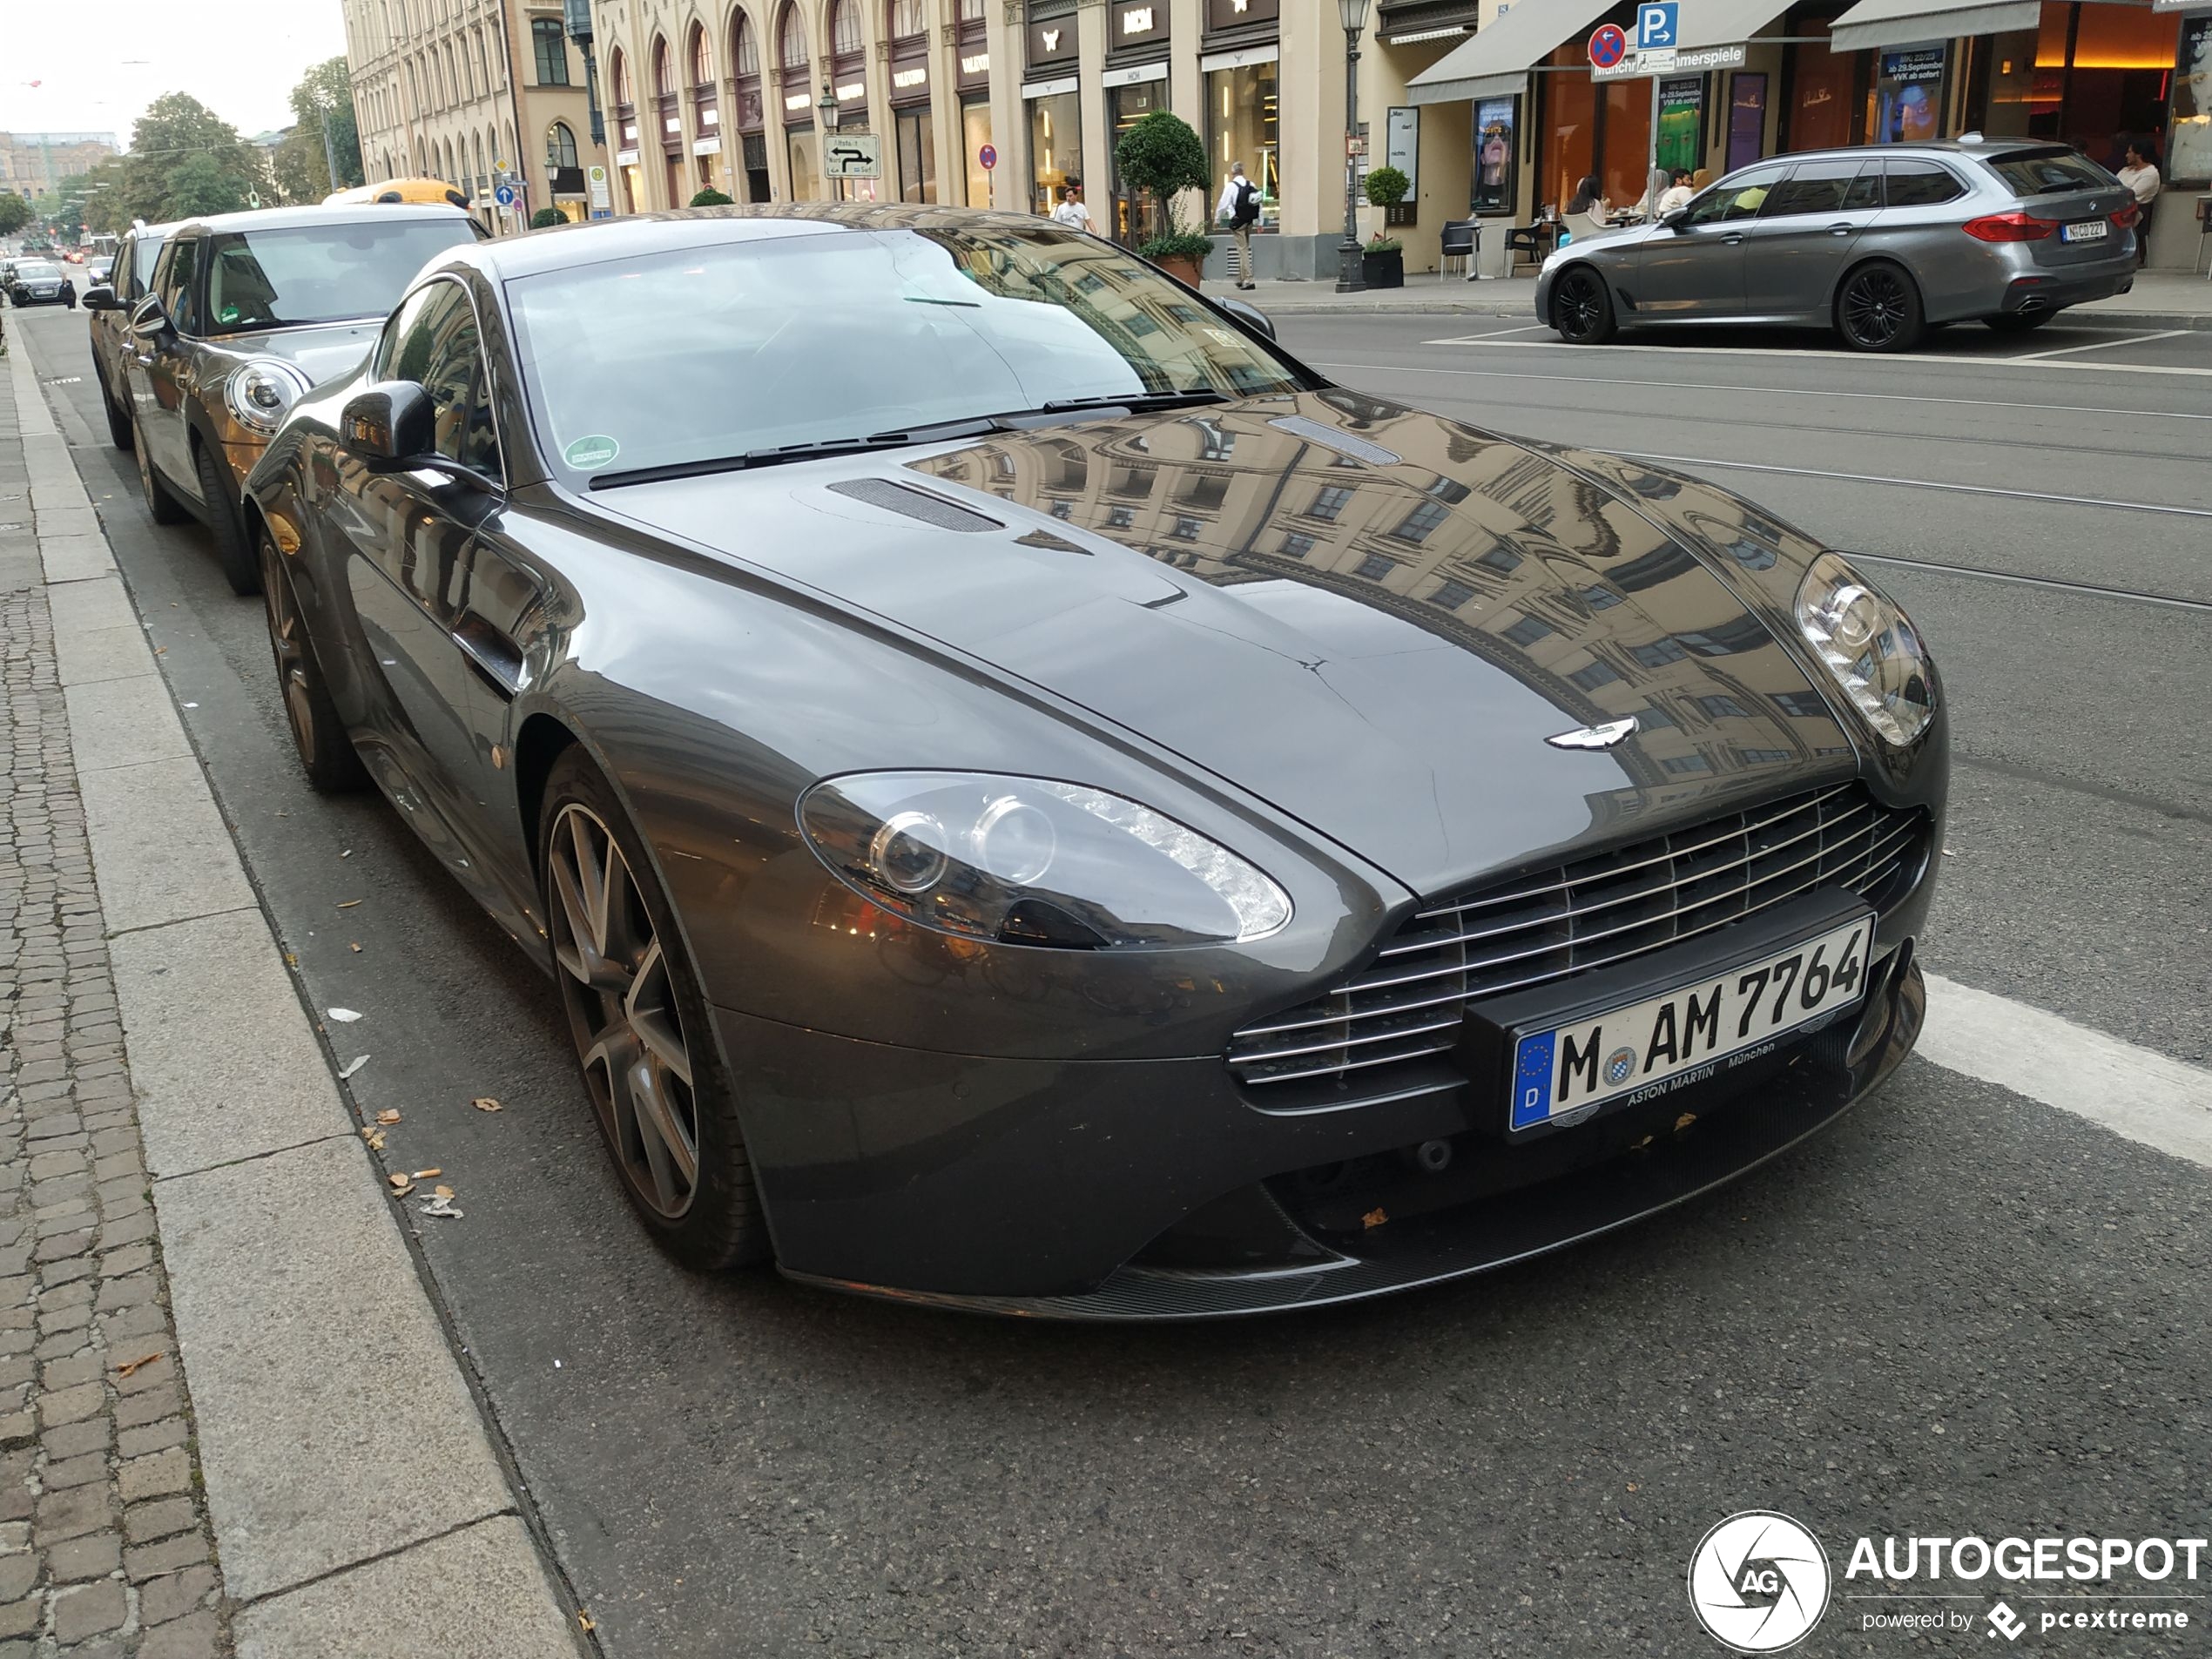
1978, 149
588, 243
270, 219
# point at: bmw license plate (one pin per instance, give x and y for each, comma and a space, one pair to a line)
1689, 1034
2084, 230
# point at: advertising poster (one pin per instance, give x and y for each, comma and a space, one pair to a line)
2191, 160
1497, 133
1911, 95
1746, 119
1681, 109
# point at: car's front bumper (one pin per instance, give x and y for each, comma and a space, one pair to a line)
1152, 1189
59, 297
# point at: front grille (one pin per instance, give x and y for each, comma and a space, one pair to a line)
1387, 1031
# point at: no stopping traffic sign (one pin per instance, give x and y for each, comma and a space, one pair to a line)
1607, 45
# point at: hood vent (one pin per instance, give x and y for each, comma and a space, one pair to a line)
933, 511
1329, 438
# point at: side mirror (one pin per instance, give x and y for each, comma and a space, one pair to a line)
1251, 315
1676, 219
150, 318
100, 297
387, 426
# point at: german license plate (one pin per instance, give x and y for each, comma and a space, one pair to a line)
1688, 1034
2084, 230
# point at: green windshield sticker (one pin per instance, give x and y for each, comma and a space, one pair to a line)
589, 455
230, 313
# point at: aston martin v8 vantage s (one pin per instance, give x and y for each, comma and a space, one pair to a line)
1034, 800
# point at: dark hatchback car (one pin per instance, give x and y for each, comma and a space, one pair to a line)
1033, 799
1879, 243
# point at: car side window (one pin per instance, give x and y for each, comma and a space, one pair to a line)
178, 288
1866, 190
437, 345
406, 325
1918, 184
1811, 187
1737, 197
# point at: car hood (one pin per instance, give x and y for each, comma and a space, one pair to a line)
321, 352
1369, 615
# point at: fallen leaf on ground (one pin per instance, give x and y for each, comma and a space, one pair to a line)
346, 1016
355, 1066
485, 1103
376, 1139
424, 1175
387, 1116
1373, 1219
1684, 1121
399, 1182
129, 1366
584, 1619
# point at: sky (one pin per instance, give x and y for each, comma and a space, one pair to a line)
99, 63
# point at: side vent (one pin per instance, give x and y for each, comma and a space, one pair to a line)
1329, 438
914, 504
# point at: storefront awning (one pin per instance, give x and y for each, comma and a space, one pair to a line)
1907, 22
1497, 61
1726, 23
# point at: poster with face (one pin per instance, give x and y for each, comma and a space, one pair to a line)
1911, 95
2191, 160
1497, 122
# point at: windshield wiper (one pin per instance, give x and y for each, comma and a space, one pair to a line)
1138, 401
973, 427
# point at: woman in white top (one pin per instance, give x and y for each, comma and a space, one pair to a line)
1071, 210
2141, 175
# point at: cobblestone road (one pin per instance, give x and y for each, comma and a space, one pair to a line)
104, 1540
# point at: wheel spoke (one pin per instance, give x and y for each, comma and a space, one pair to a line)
651, 1015
670, 1156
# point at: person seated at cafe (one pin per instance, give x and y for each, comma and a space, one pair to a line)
1677, 194
1587, 211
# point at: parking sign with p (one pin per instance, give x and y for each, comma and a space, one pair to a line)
1658, 23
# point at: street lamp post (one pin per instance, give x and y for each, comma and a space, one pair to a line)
826, 110
1350, 279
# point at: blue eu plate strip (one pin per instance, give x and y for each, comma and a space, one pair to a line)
1532, 1080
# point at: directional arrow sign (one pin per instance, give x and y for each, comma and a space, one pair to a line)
852, 155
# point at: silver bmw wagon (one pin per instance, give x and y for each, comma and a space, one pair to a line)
1877, 242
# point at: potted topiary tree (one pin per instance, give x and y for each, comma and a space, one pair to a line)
713, 197
1163, 155
1383, 264
546, 217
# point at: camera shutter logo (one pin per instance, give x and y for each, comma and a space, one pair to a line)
1758, 1582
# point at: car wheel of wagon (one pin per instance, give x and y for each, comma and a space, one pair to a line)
1879, 309
326, 753
665, 1103
1582, 309
240, 569
162, 507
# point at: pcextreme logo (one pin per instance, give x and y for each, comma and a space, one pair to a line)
1758, 1582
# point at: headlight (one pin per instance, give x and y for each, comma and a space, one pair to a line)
262, 392
1870, 646
1028, 861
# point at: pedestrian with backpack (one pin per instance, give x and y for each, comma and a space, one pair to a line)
1239, 210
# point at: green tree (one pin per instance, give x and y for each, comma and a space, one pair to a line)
298, 168
546, 217
1163, 153
324, 98
187, 159
15, 213
202, 186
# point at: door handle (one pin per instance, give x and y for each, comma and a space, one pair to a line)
1732, 237
1841, 230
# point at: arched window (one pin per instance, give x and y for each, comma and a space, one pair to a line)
482, 172
745, 50
560, 145
663, 83
791, 44
844, 27
906, 18
618, 78
452, 175
483, 66
702, 58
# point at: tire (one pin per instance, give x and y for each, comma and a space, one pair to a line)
639, 1021
162, 507
1583, 307
2018, 322
119, 422
240, 568
1878, 309
326, 753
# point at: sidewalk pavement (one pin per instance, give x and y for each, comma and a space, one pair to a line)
2159, 299
229, 1413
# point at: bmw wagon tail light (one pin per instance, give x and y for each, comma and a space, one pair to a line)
1870, 646
262, 393
1028, 861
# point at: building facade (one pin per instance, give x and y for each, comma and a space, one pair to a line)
466, 91
32, 164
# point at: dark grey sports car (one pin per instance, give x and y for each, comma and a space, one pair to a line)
1036, 800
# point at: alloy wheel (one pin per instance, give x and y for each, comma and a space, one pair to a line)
1875, 306
615, 978
287, 640
1579, 307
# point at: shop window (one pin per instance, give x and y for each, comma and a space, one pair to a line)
1569, 127
1823, 90
1241, 127
974, 133
1136, 218
1055, 148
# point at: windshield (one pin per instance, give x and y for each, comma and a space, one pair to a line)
273, 278
37, 271
2050, 172
703, 353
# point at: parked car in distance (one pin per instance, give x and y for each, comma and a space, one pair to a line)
247, 312
107, 313
1877, 242
40, 282
1034, 799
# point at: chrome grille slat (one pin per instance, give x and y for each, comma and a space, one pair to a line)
1404, 1009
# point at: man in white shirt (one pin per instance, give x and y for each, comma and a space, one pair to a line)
1677, 194
1239, 210
1071, 210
